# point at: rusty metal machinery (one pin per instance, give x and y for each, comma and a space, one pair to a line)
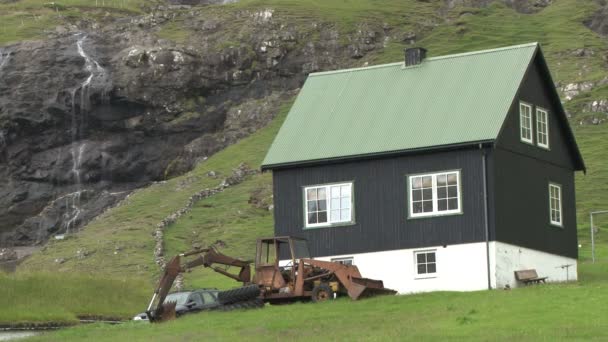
300, 278
158, 310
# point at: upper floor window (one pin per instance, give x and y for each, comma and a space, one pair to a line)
542, 127
525, 122
434, 194
328, 204
555, 204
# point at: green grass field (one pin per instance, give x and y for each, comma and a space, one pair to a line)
62, 298
555, 312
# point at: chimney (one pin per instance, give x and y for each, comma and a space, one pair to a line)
414, 56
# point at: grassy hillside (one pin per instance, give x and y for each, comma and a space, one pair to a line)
120, 242
30, 19
565, 312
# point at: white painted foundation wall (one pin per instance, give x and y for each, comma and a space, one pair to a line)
459, 267
510, 258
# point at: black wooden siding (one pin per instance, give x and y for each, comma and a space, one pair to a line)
521, 174
534, 90
522, 204
380, 204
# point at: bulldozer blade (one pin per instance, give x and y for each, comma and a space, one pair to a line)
364, 287
350, 277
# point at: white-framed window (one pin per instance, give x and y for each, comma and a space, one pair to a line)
542, 127
555, 204
525, 122
426, 263
434, 194
328, 204
344, 261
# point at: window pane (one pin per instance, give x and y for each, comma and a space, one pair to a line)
345, 215
421, 258
312, 206
335, 203
427, 194
442, 205
453, 191
421, 269
335, 191
322, 216
417, 195
442, 180
335, 215
345, 203
453, 204
452, 179
311, 194
430, 257
322, 204
442, 192
321, 193
312, 218
431, 268
427, 206
417, 207
416, 182
346, 189
427, 181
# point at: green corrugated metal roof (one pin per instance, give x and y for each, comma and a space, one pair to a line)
388, 108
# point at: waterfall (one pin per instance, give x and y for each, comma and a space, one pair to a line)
4, 58
98, 79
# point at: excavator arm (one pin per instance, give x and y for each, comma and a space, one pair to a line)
208, 257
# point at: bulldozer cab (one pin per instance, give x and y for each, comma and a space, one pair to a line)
268, 253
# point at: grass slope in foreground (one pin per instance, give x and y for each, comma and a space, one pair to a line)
62, 299
547, 312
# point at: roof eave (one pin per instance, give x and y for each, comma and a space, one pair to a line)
378, 155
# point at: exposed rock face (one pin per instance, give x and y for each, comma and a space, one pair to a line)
599, 21
200, 2
91, 113
571, 90
521, 6
597, 106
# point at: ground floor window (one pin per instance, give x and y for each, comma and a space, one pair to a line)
328, 204
426, 263
344, 261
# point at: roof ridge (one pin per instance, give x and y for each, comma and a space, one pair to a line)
455, 55
479, 52
339, 71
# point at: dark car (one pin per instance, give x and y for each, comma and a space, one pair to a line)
189, 301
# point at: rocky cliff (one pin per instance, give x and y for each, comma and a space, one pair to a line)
104, 104
94, 111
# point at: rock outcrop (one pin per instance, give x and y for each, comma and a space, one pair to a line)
94, 111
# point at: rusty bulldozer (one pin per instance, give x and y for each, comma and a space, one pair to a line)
298, 278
